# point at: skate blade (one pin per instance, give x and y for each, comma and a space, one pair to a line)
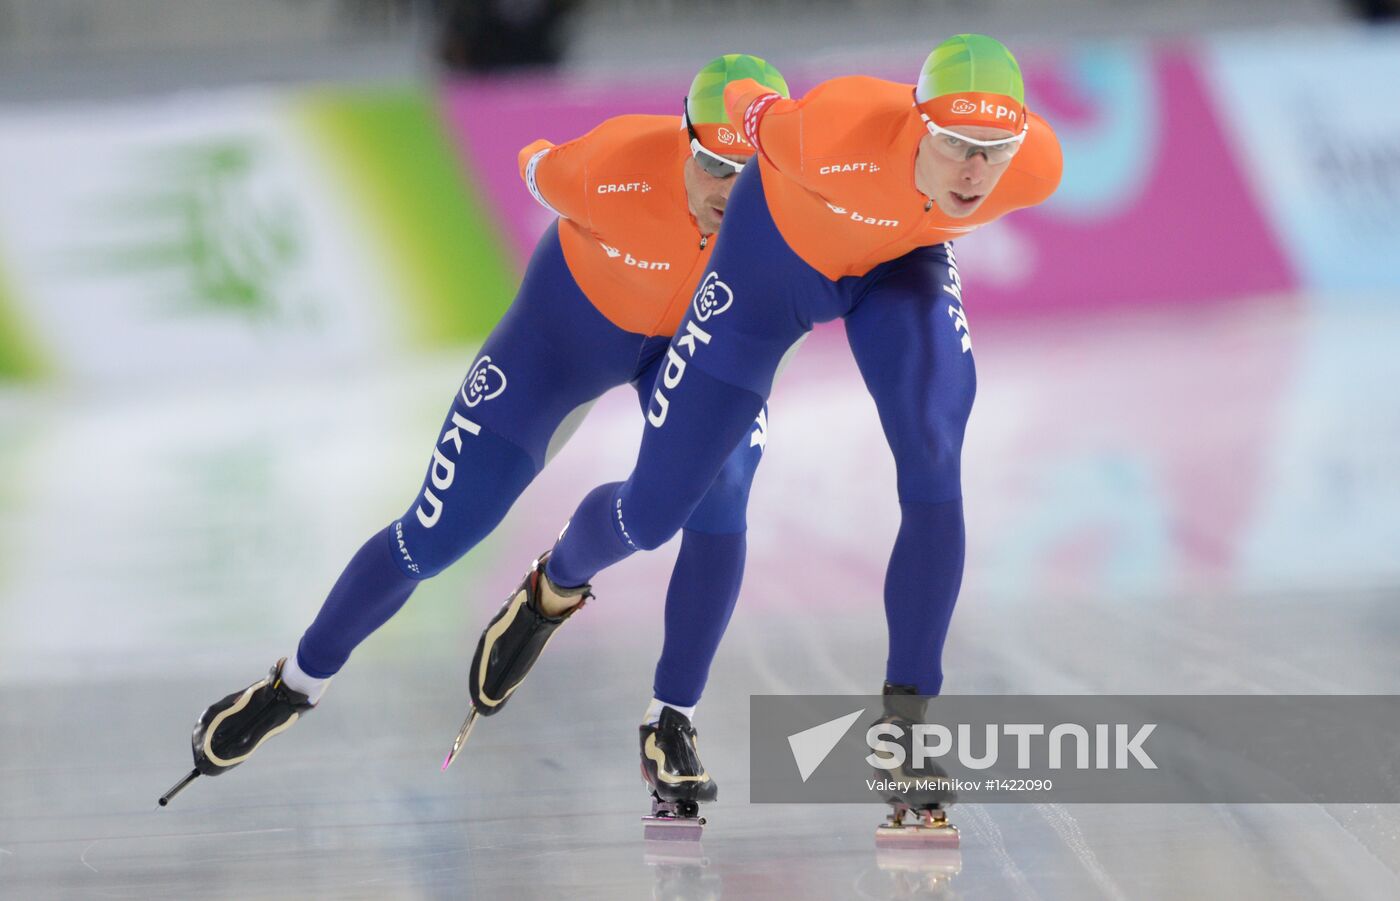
177, 788
917, 836
461, 739
672, 829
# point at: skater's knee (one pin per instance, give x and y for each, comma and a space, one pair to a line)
645, 528
722, 509
418, 560
925, 429
928, 458
648, 535
930, 474
423, 553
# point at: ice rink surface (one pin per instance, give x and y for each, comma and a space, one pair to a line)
1161, 503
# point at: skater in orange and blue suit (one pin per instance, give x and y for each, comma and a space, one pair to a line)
639, 200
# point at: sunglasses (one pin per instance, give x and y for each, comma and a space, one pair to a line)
712, 163
960, 147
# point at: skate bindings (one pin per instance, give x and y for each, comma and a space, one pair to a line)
230, 730
509, 647
913, 789
672, 769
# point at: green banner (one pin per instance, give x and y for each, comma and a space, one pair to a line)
396, 158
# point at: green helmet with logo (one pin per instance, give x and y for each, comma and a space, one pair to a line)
971, 63
971, 79
706, 98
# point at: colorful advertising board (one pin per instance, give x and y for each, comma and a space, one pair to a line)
234, 232
1315, 123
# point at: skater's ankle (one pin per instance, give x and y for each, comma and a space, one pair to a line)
556, 601
299, 681
653, 714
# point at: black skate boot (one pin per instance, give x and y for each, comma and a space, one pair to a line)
672, 769
514, 639
913, 789
509, 647
230, 730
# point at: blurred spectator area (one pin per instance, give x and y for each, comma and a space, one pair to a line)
96, 47
87, 49
40, 28
1377, 10
840, 32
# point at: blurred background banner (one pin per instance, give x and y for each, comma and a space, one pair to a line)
284, 227
1316, 123
160, 240
214, 232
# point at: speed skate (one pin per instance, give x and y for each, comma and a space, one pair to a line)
678, 781
673, 821
927, 828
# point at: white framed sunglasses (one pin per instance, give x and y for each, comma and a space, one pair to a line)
959, 147
712, 163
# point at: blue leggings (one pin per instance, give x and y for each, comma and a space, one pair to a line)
551, 353
906, 327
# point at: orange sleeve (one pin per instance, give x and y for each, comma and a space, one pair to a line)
555, 176
770, 122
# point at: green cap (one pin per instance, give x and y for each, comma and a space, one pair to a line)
706, 98
971, 63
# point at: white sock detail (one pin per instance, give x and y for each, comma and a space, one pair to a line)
297, 680
653, 715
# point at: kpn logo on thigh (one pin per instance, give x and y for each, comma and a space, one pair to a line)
485, 382
711, 298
